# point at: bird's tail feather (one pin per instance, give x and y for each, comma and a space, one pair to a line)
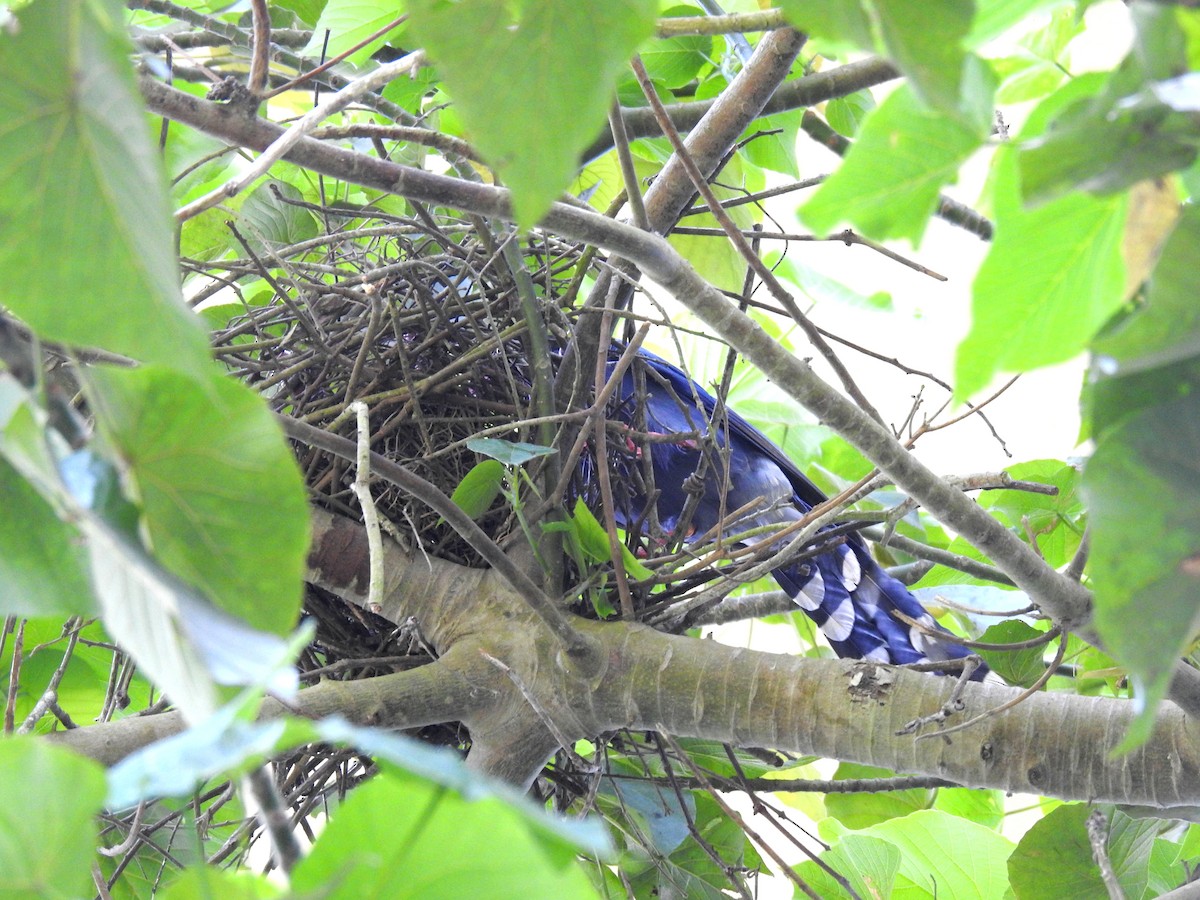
852, 601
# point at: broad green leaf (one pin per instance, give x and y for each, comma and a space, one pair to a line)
479, 488
79, 174
1166, 327
1143, 489
48, 798
43, 570
946, 856
1020, 667
223, 504
348, 22
924, 39
860, 810
994, 17
869, 864
1054, 860
511, 453
888, 184
494, 55
979, 806
1053, 276
429, 842
1138, 126
210, 882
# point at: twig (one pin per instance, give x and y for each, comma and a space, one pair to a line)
954, 703
49, 698
846, 237
743, 247
1020, 698
362, 490
335, 102
260, 60
733, 814
1097, 830
273, 815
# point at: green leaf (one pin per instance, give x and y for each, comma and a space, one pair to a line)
979, 806
888, 184
43, 570
495, 54
209, 882
1022, 667
349, 22
1143, 489
511, 453
181, 641
593, 540
944, 855
846, 114
1166, 328
79, 174
673, 62
479, 488
861, 810
429, 842
869, 864
924, 39
1053, 276
268, 220
1054, 859
48, 797
223, 504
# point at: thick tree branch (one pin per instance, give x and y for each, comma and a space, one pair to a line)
1054, 744
449, 689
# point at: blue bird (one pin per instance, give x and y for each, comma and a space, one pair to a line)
843, 590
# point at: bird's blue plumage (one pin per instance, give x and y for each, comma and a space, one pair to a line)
843, 590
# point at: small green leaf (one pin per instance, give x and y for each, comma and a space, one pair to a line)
1022, 667
48, 798
593, 539
511, 453
479, 488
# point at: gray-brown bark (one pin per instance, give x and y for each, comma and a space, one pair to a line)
502, 674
